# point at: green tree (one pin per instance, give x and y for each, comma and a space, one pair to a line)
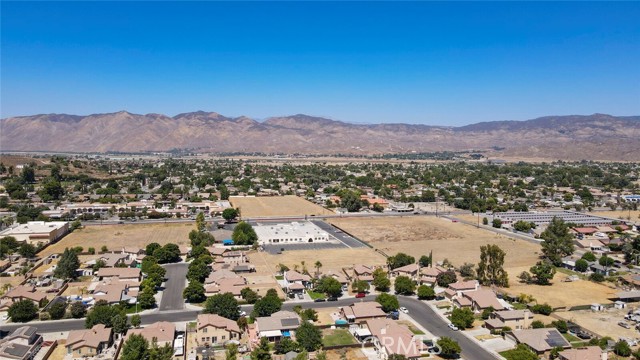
400, 260
589, 256
244, 234
582, 265
194, 292
51, 190
160, 352
544, 309
23, 311
200, 223
380, 280
360, 286
151, 248
285, 345
249, 295
621, 348
231, 352
267, 305
198, 271
543, 272
497, 223
146, 298
403, 285
426, 292
388, 302
27, 250
351, 201
490, 269
224, 305
68, 265
445, 278
135, 348
262, 351
102, 313
136, 320
57, 310
521, 352
119, 323
78, 310
449, 348
425, 260
537, 324
169, 253
309, 336
606, 261
462, 318
230, 214
561, 325
558, 241
330, 286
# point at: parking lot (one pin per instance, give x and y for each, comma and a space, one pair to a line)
346, 239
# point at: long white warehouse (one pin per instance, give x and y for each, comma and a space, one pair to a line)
295, 232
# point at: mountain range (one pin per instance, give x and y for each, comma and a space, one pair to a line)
573, 137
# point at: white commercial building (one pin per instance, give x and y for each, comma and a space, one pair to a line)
295, 232
35, 232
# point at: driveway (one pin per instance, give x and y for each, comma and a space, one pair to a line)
173, 287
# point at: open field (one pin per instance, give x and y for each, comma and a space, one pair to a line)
331, 259
561, 293
419, 235
118, 236
602, 323
351, 354
620, 214
290, 205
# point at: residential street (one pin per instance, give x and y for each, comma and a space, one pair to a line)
176, 282
419, 311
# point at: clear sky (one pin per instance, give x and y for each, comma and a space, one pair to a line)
417, 62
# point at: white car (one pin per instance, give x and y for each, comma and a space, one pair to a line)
453, 327
243, 313
404, 310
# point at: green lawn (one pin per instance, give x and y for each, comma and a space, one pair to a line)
571, 338
279, 277
338, 337
315, 295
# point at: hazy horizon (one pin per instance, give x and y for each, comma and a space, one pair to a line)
431, 63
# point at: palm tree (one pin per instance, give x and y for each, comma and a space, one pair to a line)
318, 265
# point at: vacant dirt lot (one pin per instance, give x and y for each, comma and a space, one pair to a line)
602, 323
620, 214
560, 293
276, 206
118, 236
419, 235
331, 259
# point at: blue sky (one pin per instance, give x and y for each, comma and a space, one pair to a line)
416, 62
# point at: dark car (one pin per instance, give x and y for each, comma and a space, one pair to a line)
332, 299
319, 300
583, 335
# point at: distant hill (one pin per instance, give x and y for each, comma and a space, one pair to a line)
574, 137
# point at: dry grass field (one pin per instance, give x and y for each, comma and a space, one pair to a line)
620, 214
331, 259
290, 205
118, 236
602, 323
419, 235
560, 293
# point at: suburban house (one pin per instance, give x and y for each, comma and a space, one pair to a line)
583, 353
342, 279
162, 331
89, 342
362, 311
215, 330
233, 257
296, 282
456, 289
478, 300
392, 338
589, 244
363, 273
410, 270
280, 324
26, 292
430, 274
233, 286
114, 291
23, 344
120, 274
515, 319
541, 341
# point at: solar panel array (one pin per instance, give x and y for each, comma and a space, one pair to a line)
556, 339
289, 322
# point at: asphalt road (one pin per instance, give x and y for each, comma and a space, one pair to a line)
173, 287
419, 311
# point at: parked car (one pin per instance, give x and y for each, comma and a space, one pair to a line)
319, 300
300, 296
583, 335
404, 310
360, 295
453, 327
333, 298
624, 325
243, 313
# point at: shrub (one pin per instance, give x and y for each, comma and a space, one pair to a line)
544, 309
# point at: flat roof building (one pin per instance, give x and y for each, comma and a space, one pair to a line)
35, 232
295, 232
544, 218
